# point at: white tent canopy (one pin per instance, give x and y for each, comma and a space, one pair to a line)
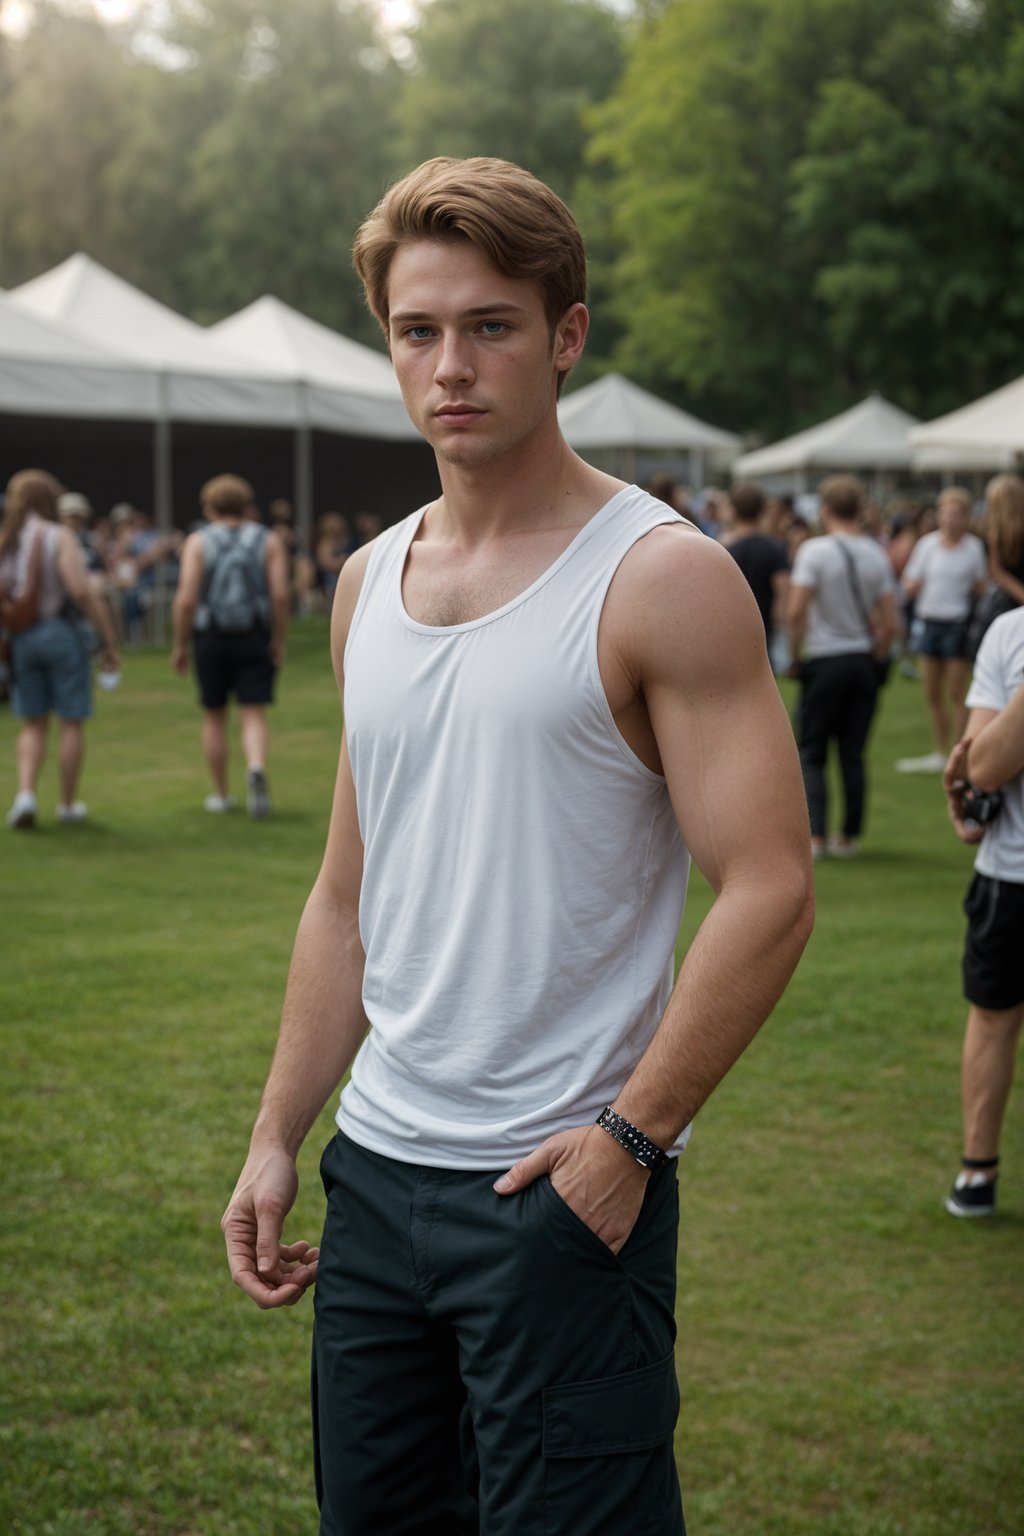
873, 435
987, 434
268, 366
201, 379
615, 413
48, 369
347, 387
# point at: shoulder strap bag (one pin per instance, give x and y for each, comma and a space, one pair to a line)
19, 613
883, 664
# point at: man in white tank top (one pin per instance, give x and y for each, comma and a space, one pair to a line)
556, 690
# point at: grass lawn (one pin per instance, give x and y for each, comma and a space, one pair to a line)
851, 1359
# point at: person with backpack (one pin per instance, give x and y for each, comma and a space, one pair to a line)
233, 600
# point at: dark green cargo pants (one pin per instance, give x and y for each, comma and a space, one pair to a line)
485, 1365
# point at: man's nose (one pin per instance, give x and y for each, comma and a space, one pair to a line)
454, 361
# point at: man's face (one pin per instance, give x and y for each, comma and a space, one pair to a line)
473, 351
952, 519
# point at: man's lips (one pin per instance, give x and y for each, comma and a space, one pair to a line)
458, 413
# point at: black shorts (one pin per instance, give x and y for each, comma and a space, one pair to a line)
238, 664
485, 1363
993, 964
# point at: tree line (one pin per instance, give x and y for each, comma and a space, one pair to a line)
787, 202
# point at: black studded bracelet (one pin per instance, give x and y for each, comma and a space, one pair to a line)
631, 1138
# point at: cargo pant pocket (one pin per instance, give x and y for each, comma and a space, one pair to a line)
608, 1455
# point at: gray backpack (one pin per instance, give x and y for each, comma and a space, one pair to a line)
233, 597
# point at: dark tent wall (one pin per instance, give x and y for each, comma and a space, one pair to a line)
108, 461
353, 475
112, 461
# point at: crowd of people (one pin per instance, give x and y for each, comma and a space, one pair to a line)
938, 589
74, 585
927, 579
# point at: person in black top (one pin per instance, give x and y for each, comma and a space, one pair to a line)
760, 557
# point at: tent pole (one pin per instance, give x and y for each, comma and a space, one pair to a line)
163, 493
163, 499
303, 471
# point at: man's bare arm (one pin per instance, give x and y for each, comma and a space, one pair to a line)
73, 573
997, 744
731, 767
780, 598
798, 607
322, 1025
186, 600
280, 596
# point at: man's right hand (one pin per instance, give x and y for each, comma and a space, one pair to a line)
954, 782
273, 1273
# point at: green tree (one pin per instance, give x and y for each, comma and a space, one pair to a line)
291, 104
908, 201
714, 286
490, 78
69, 102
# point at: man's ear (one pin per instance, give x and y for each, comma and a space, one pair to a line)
570, 337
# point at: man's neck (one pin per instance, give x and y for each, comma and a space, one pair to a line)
840, 525
544, 486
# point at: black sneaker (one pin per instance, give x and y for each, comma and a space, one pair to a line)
972, 1195
257, 793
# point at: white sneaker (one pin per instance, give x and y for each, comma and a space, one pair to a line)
843, 848
933, 762
218, 804
70, 814
257, 793
24, 810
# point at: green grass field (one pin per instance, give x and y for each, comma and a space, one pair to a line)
851, 1359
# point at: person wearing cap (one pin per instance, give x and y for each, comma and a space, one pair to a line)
51, 664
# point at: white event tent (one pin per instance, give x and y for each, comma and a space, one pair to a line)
48, 369
343, 386
617, 417
871, 437
988, 434
239, 373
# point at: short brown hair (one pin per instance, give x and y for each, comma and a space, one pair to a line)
520, 225
958, 494
1003, 524
227, 496
747, 500
843, 495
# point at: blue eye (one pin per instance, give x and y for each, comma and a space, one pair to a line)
494, 327
419, 332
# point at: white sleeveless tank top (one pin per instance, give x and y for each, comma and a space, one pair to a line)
524, 876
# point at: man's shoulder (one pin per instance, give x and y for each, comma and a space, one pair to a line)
873, 554
677, 587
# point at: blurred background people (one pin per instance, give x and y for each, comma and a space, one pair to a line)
842, 622
301, 571
991, 759
335, 541
944, 576
234, 603
763, 560
50, 660
1002, 528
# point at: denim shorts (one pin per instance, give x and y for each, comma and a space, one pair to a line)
51, 672
945, 639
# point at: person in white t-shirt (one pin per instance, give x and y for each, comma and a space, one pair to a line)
842, 621
991, 759
946, 572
